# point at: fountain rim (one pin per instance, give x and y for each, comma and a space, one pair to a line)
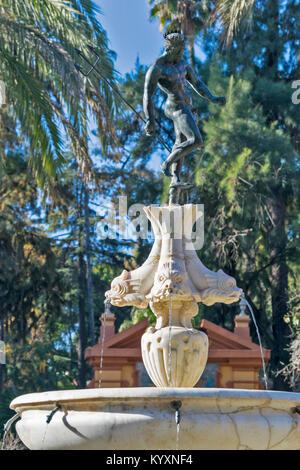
150, 393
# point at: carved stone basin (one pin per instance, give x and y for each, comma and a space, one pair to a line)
143, 418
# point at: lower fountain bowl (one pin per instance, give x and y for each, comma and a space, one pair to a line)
144, 418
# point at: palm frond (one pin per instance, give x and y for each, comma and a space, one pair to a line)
232, 14
45, 92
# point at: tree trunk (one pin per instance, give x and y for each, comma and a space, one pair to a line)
191, 53
81, 269
71, 352
279, 287
273, 51
184, 8
82, 342
1, 365
88, 267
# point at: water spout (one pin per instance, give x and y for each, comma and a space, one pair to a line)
50, 416
48, 421
106, 311
7, 427
176, 405
170, 343
243, 303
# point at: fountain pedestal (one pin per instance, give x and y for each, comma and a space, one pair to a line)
172, 281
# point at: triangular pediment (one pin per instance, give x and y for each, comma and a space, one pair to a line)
129, 338
220, 338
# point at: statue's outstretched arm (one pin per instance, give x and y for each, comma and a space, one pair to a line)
152, 77
201, 88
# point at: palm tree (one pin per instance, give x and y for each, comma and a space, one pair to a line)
48, 100
193, 17
44, 90
189, 16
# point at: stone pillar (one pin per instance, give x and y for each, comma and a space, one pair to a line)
242, 326
109, 325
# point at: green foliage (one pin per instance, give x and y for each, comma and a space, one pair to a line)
44, 90
232, 14
191, 17
138, 314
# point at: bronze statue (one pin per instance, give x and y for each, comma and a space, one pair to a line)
171, 73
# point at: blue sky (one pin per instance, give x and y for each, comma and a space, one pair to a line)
130, 32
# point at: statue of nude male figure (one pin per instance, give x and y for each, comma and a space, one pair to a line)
171, 73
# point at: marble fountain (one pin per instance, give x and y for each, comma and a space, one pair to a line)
172, 415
